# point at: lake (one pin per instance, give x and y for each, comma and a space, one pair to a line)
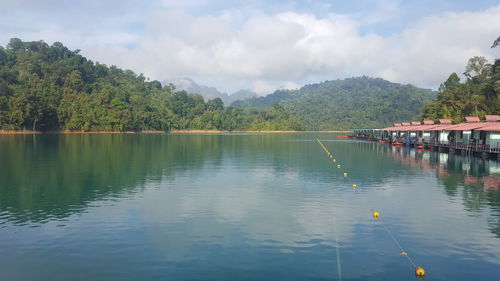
242, 207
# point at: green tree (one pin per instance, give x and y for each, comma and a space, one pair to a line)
478, 96
478, 69
215, 104
452, 81
46, 87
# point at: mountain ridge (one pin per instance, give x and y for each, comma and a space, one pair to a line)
347, 103
208, 92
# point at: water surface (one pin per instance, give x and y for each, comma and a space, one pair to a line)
241, 207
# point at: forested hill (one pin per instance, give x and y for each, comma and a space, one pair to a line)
478, 95
350, 103
190, 86
46, 87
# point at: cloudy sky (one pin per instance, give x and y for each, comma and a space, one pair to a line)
266, 45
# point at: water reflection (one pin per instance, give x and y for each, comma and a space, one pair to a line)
215, 206
51, 176
475, 180
48, 177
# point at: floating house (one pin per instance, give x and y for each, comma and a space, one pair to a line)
491, 131
473, 135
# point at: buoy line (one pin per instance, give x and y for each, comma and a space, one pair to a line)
337, 250
419, 271
334, 161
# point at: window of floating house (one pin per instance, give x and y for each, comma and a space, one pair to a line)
413, 134
443, 137
495, 136
465, 135
493, 139
427, 134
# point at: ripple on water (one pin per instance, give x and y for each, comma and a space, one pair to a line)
260, 208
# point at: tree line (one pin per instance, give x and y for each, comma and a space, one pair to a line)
478, 95
48, 88
358, 102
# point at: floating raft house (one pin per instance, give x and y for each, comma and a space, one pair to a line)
474, 136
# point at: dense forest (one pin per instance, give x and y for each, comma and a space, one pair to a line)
360, 102
46, 88
51, 88
477, 96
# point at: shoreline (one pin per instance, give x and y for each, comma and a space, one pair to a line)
14, 132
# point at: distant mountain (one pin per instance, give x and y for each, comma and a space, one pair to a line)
347, 104
239, 95
190, 86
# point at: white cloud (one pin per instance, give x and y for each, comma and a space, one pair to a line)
427, 53
265, 51
289, 85
262, 88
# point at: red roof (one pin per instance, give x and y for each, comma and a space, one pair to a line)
407, 128
415, 123
472, 119
405, 124
480, 126
428, 122
431, 127
444, 121
397, 124
490, 127
464, 126
418, 128
492, 117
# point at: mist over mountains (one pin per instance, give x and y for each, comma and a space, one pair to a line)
191, 87
337, 104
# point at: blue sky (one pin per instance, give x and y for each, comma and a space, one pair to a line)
266, 45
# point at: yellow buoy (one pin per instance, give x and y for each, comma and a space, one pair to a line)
334, 160
345, 175
338, 166
331, 156
354, 186
376, 215
419, 271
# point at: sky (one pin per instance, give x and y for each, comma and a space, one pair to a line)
266, 45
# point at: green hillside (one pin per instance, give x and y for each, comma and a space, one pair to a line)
346, 104
478, 95
46, 87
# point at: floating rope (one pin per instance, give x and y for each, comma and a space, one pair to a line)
419, 271
334, 161
339, 266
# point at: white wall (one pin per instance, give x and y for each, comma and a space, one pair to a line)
493, 139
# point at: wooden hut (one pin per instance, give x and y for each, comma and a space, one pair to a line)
490, 132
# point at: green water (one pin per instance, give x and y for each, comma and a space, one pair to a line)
241, 207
